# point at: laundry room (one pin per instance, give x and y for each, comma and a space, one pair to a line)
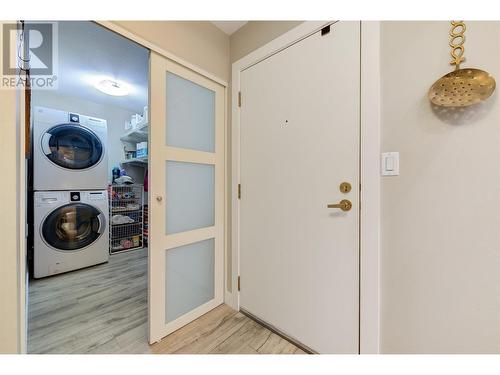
88, 192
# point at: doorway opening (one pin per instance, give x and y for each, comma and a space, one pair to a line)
113, 265
88, 197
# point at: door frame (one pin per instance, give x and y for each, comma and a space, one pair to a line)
22, 337
369, 233
13, 105
111, 26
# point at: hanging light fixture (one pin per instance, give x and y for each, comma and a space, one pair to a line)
112, 87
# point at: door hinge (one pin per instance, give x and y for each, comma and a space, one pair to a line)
239, 191
239, 99
359, 203
239, 284
325, 30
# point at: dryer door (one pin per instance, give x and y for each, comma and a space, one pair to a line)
72, 146
73, 226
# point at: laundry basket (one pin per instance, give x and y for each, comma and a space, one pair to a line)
126, 218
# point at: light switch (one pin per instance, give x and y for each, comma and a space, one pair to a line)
390, 164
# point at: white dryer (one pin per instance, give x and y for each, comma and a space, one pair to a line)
71, 230
69, 151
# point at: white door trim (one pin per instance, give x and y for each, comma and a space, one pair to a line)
369, 283
369, 170
20, 184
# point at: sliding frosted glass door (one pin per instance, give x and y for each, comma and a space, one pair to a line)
187, 196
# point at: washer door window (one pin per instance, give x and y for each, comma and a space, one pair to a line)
72, 146
73, 226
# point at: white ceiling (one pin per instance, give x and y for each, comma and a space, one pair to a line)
87, 51
229, 27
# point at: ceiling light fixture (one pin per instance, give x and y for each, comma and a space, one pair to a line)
112, 87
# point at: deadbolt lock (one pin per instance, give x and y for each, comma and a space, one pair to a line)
344, 205
345, 187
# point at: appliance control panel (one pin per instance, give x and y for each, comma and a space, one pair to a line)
74, 196
97, 196
73, 117
47, 198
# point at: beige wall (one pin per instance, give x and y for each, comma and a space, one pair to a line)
9, 231
440, 260
255, 34
9, 312
199, 43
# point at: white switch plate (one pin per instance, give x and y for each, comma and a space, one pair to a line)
389, 164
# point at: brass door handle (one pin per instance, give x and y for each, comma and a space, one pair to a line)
344, 205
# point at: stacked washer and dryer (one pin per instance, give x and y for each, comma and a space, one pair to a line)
70, 191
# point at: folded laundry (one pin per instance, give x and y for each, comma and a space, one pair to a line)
124, 180
121, 219
133, 206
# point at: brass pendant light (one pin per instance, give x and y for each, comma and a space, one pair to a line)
462, 87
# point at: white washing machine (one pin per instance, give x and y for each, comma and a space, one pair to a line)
71, 230
69, 151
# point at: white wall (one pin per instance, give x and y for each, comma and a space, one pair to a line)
440, 261
115, 117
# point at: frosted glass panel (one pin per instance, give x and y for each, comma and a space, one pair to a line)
190, 196
190, 115
189, 278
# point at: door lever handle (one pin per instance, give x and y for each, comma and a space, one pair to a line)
344, 205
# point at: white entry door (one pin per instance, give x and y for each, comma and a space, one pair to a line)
186, 190
300, 126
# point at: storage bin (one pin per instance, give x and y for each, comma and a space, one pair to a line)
135, 120
142, 149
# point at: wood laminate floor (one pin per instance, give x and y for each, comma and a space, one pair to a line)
103, 309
